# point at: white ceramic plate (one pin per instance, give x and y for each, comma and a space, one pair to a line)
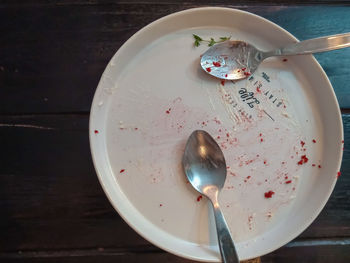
153, 94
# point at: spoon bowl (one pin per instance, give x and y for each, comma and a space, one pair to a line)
205, 167
231, 60
204, 162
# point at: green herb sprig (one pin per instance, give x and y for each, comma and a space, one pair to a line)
198, 40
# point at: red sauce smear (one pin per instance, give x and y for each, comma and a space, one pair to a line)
247, 74
313, 165
96, 131
199, 198
217, 64
303, 159
122, 171
269, 194
288, 182
208, 69
244, 69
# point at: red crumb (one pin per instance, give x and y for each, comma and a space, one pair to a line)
286, 177
303, 159
225, 75
217, 64
223, 82
338, 174
342, 141
160, 204
314, 141
313, 165
302, 143
208, 69
96, 131
247, 73
227, 134
168, 111
284, 60
244, 69
218, 137
264, 162
199, 198
248, 177
261, 140
258, 90
269, 194
319, 166
122, 171
260, 134
288, 182
136, 129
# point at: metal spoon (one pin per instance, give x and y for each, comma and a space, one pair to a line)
205, 168
235, 60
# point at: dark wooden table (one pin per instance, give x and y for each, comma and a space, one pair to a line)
52, 54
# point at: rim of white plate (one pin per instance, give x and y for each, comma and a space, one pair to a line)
130, 214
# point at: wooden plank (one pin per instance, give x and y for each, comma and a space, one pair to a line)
52, 55
303, 254
50, 197
17, 3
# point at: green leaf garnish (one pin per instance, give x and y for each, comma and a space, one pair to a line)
198, 40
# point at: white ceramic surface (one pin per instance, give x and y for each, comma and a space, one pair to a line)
153, 94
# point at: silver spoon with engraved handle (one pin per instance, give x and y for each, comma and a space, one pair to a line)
234, 60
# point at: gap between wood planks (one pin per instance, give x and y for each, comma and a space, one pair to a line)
148, 249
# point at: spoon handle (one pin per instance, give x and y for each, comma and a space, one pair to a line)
227, 247
313, 45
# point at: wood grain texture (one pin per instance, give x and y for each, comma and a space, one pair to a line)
53, 54
314, 254
7, 3
50, 197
